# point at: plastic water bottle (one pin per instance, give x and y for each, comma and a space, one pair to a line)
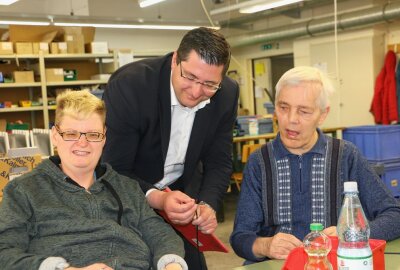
354, 252
317, 246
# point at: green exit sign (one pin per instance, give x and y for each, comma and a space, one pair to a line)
268, 46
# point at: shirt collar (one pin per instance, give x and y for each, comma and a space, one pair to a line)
280, 150
175, 102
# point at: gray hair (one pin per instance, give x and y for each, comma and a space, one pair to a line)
309, 75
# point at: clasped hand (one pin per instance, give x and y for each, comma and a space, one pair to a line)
182, 209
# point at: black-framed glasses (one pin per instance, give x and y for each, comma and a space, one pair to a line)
74, 135
210, 87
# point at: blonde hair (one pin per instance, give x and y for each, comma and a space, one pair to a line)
311, 76
79, 105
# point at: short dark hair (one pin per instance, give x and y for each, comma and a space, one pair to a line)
209, 44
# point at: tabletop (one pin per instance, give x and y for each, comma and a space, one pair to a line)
392, 260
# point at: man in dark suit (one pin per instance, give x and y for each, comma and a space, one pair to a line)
169, 124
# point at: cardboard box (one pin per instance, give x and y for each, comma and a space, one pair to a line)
58, 47
97, 47
23, 48
23, 76
104, 77
6, 48
75, 43
54, 75
34, 33
10, 167
40, 46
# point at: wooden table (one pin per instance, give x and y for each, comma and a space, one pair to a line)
392, 261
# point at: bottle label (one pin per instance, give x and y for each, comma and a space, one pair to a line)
358, 263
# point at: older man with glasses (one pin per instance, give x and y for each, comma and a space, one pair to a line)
170, 123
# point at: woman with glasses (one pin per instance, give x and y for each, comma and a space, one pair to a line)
170, 122
72, 212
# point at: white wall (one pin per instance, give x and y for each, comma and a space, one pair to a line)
142, 42
360, 58
354, 77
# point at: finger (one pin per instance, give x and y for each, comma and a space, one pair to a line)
210, 228
292, 240
182, 215
204, 215
205, 221
180, 197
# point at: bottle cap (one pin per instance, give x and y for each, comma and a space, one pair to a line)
316, 227
350, 186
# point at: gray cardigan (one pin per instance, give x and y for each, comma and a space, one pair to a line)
44, 215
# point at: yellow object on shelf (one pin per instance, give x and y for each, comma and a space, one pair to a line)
25, 103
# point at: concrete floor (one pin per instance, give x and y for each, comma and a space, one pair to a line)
225, 261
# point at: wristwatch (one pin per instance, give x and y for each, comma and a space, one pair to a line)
206, 204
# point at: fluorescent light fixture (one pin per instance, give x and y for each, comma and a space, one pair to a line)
235, 6
131, 26
267, 5
7, 2
146, 3
23, 22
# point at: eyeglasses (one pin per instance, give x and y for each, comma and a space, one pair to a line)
73, 135
210, 87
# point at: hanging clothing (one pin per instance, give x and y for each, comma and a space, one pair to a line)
384, 103
398, 87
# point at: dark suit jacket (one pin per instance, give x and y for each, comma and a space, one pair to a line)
138, 103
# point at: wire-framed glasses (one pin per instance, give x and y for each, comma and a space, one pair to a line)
74, 135
210, 87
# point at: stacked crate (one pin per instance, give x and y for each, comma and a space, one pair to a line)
381, 146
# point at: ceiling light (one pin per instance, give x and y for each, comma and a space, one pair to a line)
131, 26
7, 2
23, 23
267, 5
146, 3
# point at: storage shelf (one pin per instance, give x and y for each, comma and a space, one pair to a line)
16, 85
89, 63
64, 56
80, 82
78, 56
21, 109
19, 56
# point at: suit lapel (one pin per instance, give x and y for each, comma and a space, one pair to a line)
165, 106
198, 135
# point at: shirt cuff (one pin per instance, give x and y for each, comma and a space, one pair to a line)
54, 263
150, 191
171, 258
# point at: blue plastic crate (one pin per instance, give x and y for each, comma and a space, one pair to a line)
269, 107
391, 176
264, 124
376, 143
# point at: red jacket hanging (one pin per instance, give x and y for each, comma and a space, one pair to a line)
384, 103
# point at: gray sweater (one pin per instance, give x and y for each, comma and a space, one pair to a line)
43, 215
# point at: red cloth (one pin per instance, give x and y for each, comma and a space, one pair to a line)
384, 103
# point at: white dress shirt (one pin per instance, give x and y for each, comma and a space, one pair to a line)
182, 119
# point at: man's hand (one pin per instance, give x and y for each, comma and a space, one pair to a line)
206, 219
276, 247
330, 231
95, 266
178, 206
